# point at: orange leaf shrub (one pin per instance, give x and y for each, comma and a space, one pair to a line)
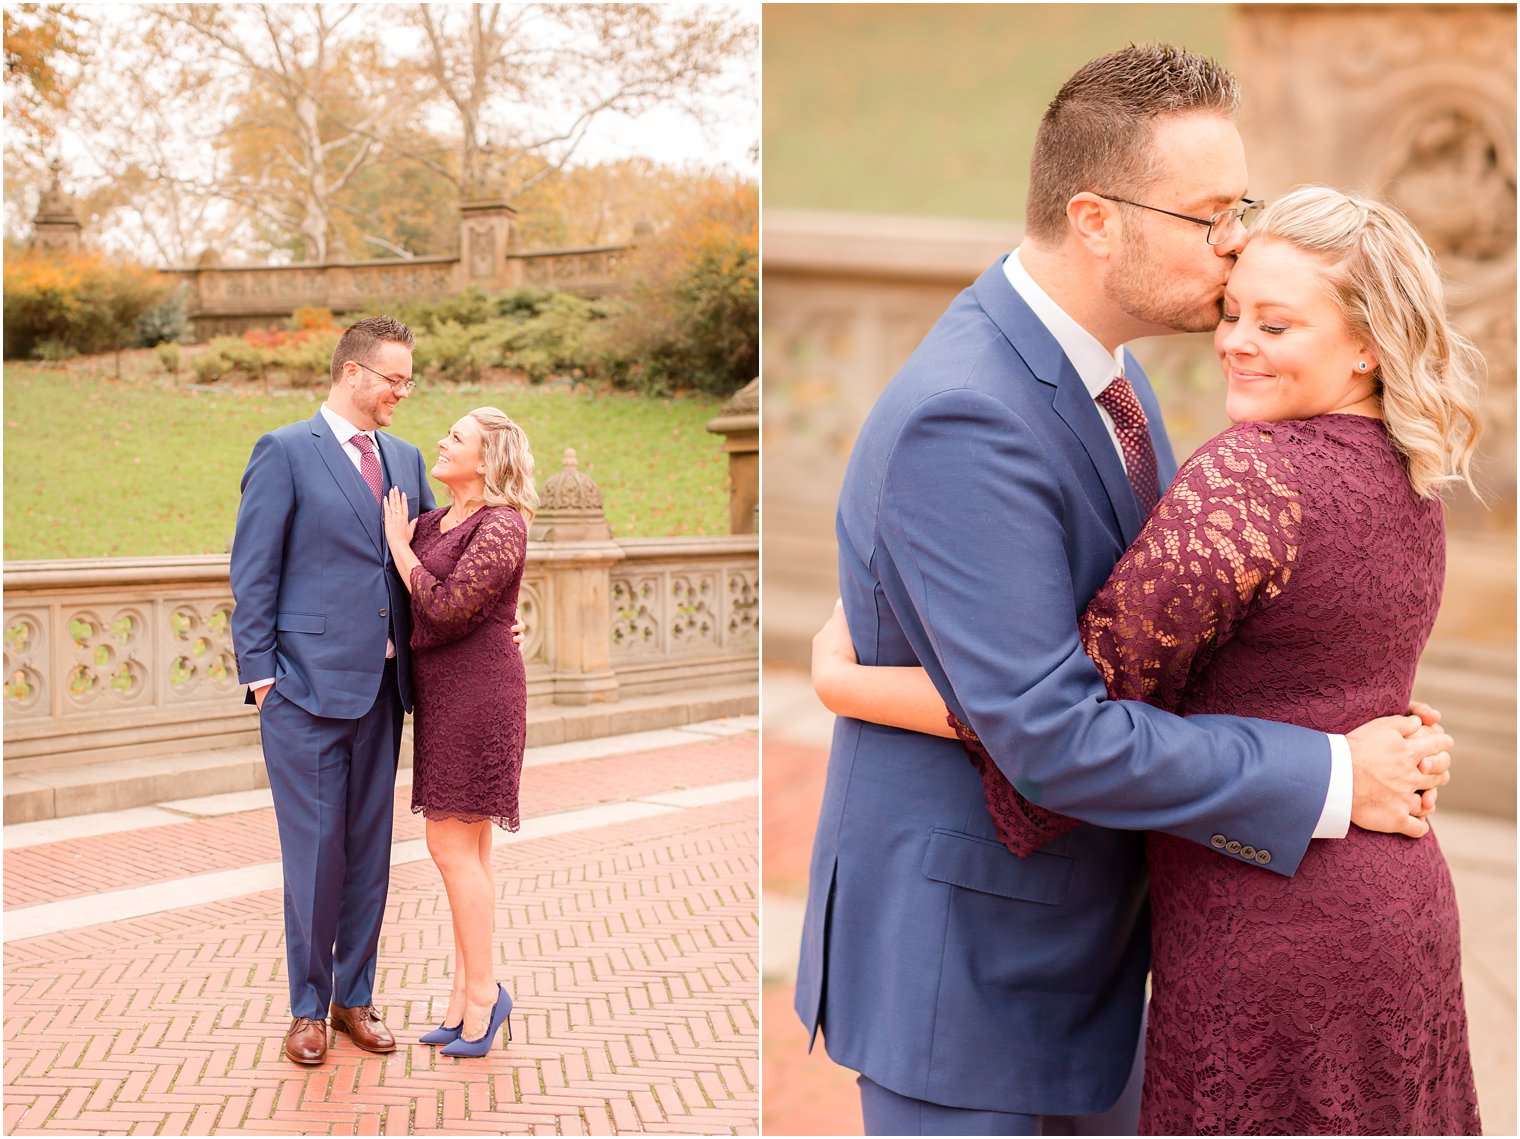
83, 303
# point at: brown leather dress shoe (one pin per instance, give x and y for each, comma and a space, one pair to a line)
306, 1042
364, 1028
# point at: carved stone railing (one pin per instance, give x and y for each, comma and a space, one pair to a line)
118, 656
846, 300
685, 611
228, 300
122, 657
593, 270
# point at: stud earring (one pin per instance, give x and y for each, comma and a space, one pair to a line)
1361, 365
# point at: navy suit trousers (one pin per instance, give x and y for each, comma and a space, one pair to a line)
334, 787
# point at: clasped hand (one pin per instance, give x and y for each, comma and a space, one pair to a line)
1397, 762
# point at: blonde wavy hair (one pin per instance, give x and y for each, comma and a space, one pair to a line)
1385, 279
508, 462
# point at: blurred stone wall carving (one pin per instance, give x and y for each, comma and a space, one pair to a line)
1415, 105
846, 298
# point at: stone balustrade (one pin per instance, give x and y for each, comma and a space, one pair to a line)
121, 657
593, 270
227, 300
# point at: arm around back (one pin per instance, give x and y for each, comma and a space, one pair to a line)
977, 534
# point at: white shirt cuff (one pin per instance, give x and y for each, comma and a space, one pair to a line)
1335, 820
255, 685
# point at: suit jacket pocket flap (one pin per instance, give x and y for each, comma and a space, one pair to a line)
990, 868
300, 622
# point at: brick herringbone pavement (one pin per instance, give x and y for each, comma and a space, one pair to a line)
92, 864
630, 949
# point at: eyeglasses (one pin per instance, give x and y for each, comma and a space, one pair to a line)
400, 387
1221, 225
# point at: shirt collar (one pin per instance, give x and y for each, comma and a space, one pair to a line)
342, 429
1095, 364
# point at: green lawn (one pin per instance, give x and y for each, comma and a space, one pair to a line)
931, 109
96, 467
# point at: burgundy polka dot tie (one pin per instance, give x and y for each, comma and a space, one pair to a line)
1119, 400
369, 462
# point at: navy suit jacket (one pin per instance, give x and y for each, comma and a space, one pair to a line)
314, 589
983, 506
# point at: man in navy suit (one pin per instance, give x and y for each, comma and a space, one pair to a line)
991, 490
322, 626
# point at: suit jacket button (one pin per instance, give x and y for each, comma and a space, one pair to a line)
1233, 846
1248, 851
1217, 842
385, 612
1264, 856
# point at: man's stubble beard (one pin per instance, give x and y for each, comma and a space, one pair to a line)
1139, 289
369, 404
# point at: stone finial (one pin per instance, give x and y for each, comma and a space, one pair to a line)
56, 207
570, 488
745, 401
740, 416
56, 228
570, 506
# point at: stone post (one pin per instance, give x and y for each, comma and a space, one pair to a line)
56, 228
580, 553
738, 421
487, 230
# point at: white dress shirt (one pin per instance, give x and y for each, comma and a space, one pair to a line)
1097, 367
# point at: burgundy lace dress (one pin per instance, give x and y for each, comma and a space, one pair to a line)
471, 694
1290, 574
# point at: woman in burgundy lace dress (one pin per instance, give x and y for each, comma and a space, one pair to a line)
1291, 572
464, 566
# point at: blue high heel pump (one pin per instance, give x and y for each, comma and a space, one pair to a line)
501, 1013
443, 1034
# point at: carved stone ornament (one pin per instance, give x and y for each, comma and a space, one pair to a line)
743, 607
745, 401
570, 488
532, 612
636, 614
1450, 174
570, 507
55, 208
482, 252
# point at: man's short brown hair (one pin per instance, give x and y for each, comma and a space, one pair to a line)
1096, 133
360, 339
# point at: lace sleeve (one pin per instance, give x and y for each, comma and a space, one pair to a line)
1023, 827
1222, 540
445, 610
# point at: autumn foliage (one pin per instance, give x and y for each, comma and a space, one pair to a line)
57, 304
691, 319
